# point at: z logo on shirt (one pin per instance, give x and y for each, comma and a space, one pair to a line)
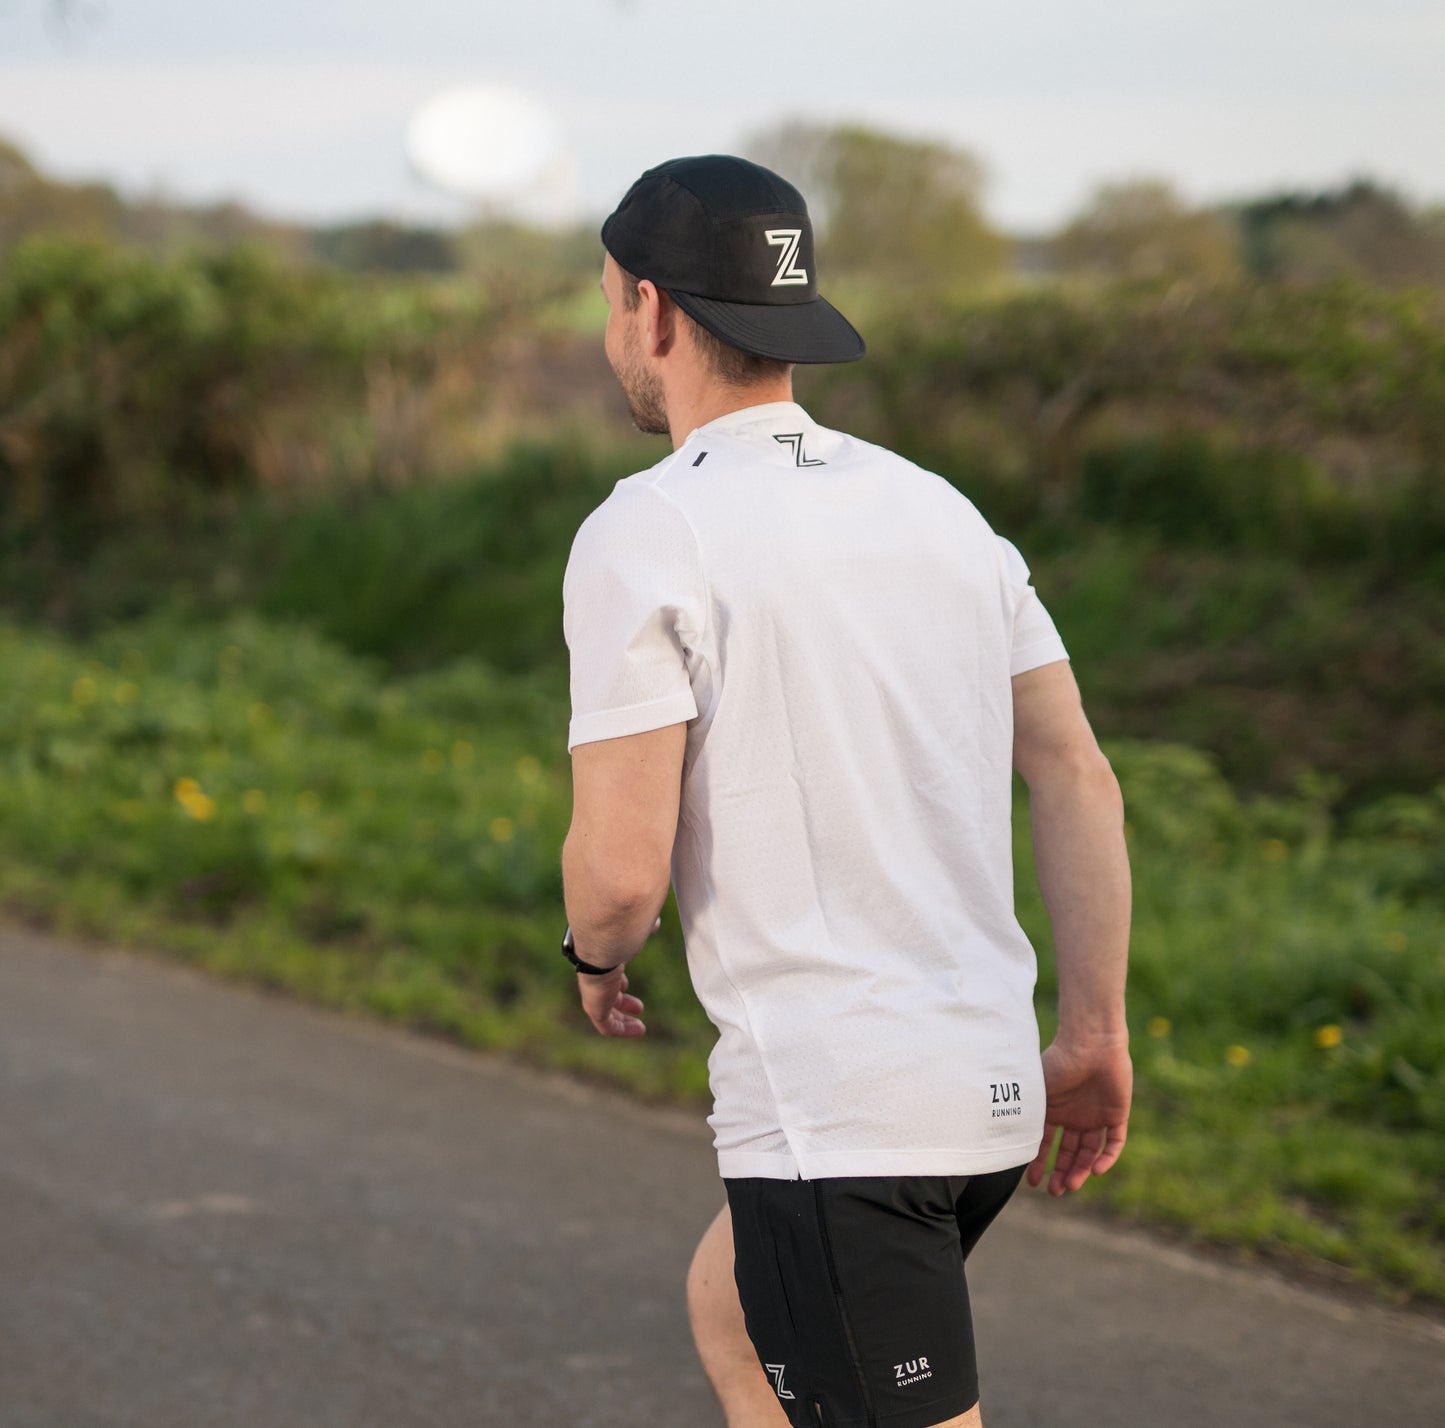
789, 274
800, 457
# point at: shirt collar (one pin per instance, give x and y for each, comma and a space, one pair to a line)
746, 419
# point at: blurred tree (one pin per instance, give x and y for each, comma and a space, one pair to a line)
129, 384
499, 248
905, 212
380, 246
16, 171
160, 225
31, 203
1144, 230
1362, 230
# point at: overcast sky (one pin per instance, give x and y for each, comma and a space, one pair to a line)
300, 107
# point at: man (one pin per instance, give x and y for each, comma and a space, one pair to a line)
801, 671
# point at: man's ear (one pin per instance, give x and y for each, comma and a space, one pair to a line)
659, 319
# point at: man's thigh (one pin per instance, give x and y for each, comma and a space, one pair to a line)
855, 1296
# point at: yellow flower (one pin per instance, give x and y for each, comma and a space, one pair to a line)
461, 754
501, 830
83, 690
253, 800
432, 760
1237, 1056
126, 692
529, 769
1275, 850
1160, 1026
1328, 1036
1396, 941
308, 801
201, 808
197, 804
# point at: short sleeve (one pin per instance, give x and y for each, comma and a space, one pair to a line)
632, 608
1035, 640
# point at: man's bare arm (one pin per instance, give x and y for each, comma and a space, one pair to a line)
617, 860
1076, 816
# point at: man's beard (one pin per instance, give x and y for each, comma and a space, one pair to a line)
643, 389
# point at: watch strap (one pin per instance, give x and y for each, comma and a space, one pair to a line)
569, 951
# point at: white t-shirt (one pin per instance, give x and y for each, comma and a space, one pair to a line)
838, 628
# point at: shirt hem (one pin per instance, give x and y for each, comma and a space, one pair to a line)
829, 1165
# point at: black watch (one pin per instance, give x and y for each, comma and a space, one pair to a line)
569, 951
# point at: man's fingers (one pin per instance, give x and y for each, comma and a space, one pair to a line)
1064, 1161
613, 1022
1113, 1147
1038, 1167
1080, 1155
1083, 1166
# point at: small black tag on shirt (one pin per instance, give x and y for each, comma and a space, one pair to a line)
699, 460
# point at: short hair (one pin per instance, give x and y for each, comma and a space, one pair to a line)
727, 363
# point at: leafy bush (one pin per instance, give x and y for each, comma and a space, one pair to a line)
441, 569
1250, 415
130, 386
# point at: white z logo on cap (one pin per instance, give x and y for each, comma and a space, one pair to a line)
789, 274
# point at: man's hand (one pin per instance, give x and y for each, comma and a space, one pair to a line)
1087, 1089
610, 1007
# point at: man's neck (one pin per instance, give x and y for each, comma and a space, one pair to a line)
711, 402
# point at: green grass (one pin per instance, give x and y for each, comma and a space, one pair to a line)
250, 795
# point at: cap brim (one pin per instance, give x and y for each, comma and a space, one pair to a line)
793, 332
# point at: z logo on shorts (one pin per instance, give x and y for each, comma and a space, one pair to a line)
789, 273
777, 1372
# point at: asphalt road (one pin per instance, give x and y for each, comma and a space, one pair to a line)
219, 1209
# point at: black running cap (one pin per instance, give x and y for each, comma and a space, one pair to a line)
731, 243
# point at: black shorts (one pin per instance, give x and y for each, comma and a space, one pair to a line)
855, 1296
